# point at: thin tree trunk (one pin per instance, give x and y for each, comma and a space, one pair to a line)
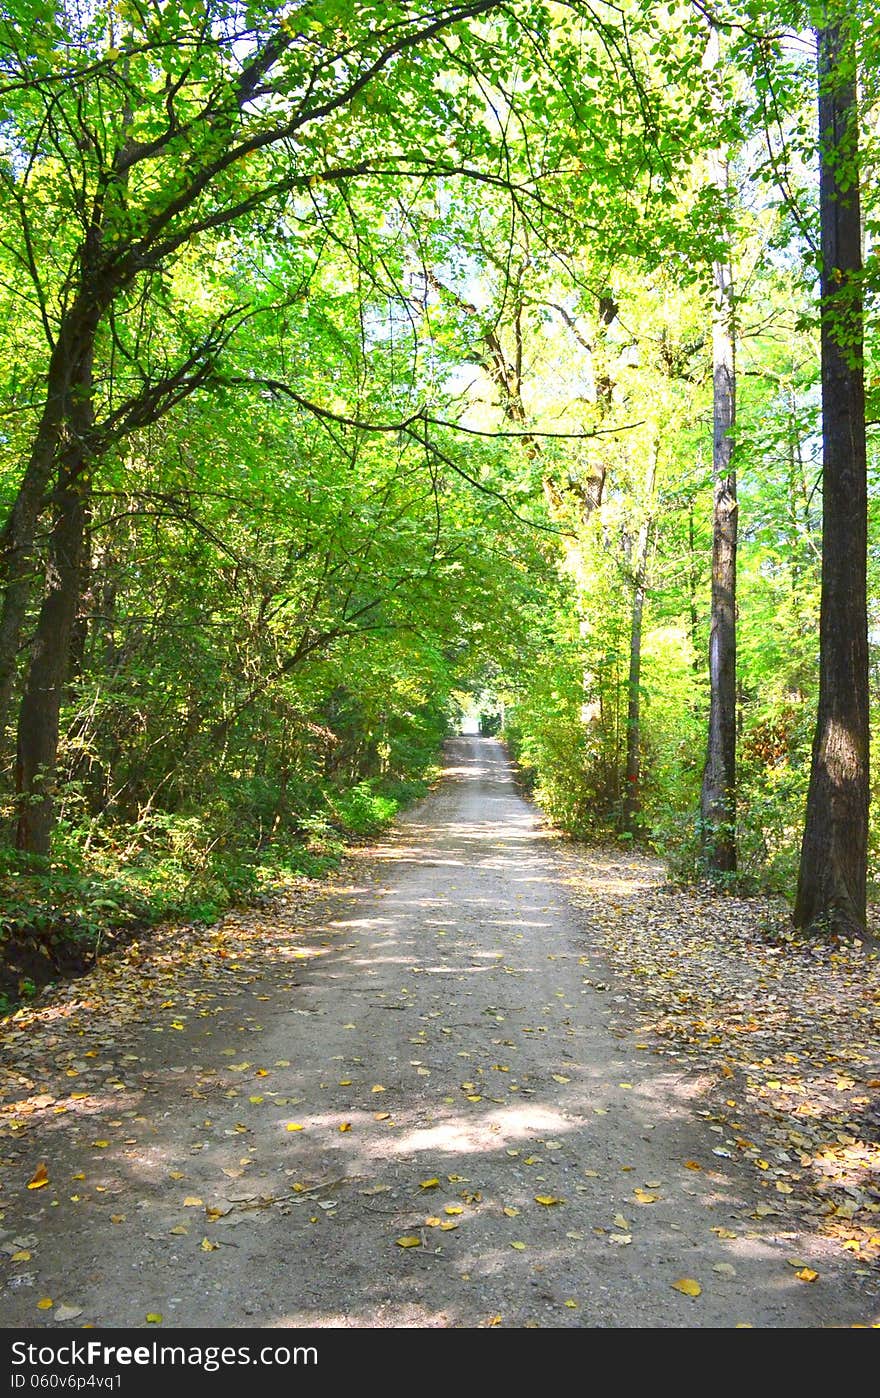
632, 795
831, 884
718, 794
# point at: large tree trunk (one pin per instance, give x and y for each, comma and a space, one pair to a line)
718, 795
831, 883
38, 723
70, 371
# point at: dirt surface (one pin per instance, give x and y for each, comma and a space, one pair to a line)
239, 1126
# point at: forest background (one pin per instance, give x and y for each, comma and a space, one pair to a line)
366, 362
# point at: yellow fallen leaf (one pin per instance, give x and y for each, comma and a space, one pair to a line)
620, 1222
180, 1229
39, 1178
256, 1100
22, 1256
448, 1226
520, 1247
687, 1286
154, 1318
572, 1305
294, 1126
102, 1145
784, 1188
547, 1199
724, 1232
806, 1274
409, 1240
80, 1176
192, 1201
509, 1211
172, 1175
474, 1097
429, 1184
377, 1087
559, 1077
45, 1303
493, 1321
644, 1197
345, 1126
345, 1082
207, 1246
453, 1209
433, 1222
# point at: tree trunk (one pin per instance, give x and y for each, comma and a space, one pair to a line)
632, 796
831, 883
41, 702
718, 795
70, 371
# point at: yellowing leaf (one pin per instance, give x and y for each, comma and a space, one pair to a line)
377, 1087
572, 1305
39, 1178
294, 1126
345, 1126
448, 1226
192, 1201
559, 1077
409, 1240
154, 1318
429, 1184
433, 1221
644, 1197
179, 1229
381, 1116
692, 1165
45, 1303
22, 1256
207, 1246
509, 1211
453, 1209
172, 1175
520, 1247
547, 1199
723, 1232
687, 1286
102, 1145
620, 1222
806, 1274
256, 1100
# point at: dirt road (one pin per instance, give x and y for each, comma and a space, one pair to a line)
418, 1058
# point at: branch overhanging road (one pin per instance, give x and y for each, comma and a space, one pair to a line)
421, 1056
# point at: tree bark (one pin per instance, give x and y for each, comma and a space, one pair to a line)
718, 794
632, 795
70, 369
39, 714
833, 867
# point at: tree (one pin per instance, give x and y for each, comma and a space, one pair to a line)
718, 791
832, 877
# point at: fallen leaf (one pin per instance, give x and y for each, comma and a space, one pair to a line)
22, 1256
45, 1303
692, 1165
724, 1269
644, 1197
453, 1209
620, 1222
179, 1229
548, 1199
559, 1077
806, 1274
409, 1240
377, 1087
687, 1286
207, 1246
345, 1126
192, 1201
154, 1318
429, 1184
509, 1211
67, 1312
520, 1247
39, 1178
294, 1126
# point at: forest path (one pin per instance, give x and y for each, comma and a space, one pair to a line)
443, 1026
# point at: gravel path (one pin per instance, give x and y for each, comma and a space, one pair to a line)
424, 1055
